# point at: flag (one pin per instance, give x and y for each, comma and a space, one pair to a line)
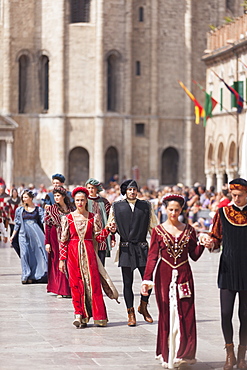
238, 97
199, 111
209, 106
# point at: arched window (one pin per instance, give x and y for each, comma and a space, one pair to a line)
79, 11
232, 161
210, 156
44, 83
170, 163
23, 83
112, 82
220, 156
141, 14
111, 163
78, 166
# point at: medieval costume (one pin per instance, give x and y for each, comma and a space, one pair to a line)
4, 207
49, 198
3, 231
13, 204
84, 267
174, 290
58, 282
29, 226
230, 229
134, 218
101, 207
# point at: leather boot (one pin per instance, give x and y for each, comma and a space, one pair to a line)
230, 357
241, 363
142, 309
131, 317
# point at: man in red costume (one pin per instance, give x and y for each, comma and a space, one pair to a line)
230, 229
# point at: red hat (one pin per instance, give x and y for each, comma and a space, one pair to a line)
80, 189
176, 197
238, 184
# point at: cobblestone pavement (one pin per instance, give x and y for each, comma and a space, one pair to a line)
37, 332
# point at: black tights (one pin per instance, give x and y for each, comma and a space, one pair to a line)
227, 299
127, 286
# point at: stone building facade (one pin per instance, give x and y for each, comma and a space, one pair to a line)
90, 88
227, 57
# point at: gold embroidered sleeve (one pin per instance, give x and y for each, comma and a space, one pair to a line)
65, 235
99, 234
97, 225
216, 233
111, 217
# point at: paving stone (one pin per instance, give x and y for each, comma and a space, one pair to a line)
36, 328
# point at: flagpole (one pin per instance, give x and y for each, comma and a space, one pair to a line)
237, 116
237, 133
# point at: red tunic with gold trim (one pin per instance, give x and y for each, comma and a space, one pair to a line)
230, 228
174, 290
84, 278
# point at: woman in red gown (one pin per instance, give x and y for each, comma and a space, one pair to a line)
86, 274
172, 243
58, 282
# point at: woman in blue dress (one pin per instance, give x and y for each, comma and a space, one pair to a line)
29, 226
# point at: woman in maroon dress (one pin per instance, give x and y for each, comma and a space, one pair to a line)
172, 242
80, 229
58, 282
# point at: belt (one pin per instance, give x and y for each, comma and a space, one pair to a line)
174, 266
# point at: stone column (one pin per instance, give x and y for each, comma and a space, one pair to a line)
154, 122
55, 118
188, 106
9, 162
127, 122
209, 179
127, 148
6, 83
99, 156
231, 174
219, 176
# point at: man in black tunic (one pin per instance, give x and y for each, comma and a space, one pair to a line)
134, 218
230, 229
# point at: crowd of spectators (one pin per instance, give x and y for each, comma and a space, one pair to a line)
200, 203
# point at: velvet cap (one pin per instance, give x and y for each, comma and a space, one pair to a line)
59, 177
95, 183
128, 184
80, 189
238, 184
176, 197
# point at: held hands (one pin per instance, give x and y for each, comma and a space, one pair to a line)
206, 240
144, 290
112, 227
